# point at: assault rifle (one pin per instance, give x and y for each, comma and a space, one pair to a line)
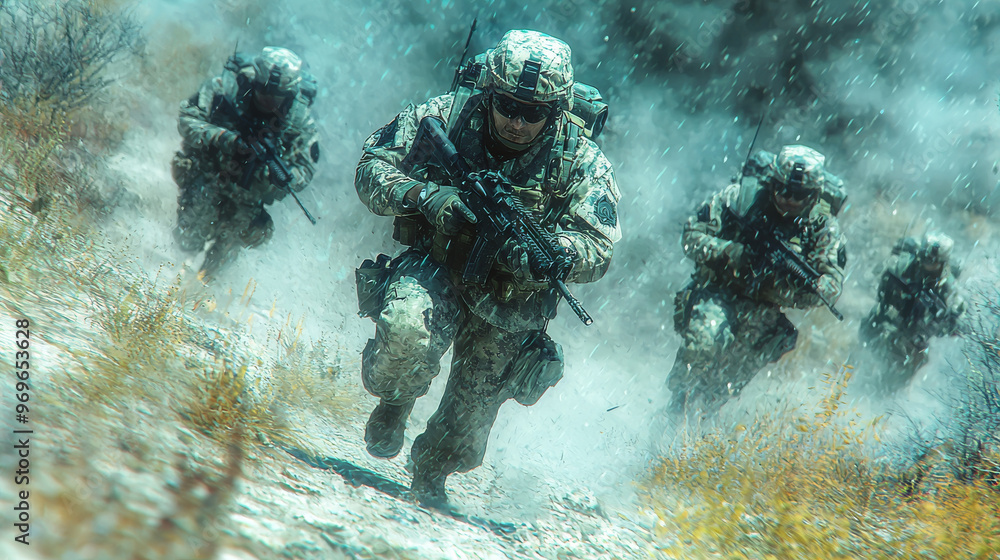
772, 252
500, 217
259, 137
923, 301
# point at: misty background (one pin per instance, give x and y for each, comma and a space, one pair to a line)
901, 97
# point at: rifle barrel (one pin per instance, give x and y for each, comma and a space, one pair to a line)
574, 303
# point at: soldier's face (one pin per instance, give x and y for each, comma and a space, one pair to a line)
518, 128
933, 267
790, 207
271, 104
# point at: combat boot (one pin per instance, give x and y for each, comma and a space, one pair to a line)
385, 428
428, 489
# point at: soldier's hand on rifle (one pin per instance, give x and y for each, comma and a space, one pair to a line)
513, 258
736, 257
263, 173
443, 207
230, 143
827, 288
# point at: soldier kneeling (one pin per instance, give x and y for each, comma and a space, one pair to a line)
769, 242
916, 301
248, 140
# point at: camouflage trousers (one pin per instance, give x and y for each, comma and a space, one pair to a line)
727, 340
421, 317
205, 212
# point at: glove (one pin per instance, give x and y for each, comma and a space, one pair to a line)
827, 288
444, 208
230, 143
735, 257
513, 258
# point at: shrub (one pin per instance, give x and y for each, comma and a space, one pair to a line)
58, 54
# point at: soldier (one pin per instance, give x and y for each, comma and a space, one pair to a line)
916, 301
516, 122
768, 242
247, 140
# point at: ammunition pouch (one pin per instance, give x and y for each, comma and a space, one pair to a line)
409, 230
684, 301
371, 279
538, 366
182, 167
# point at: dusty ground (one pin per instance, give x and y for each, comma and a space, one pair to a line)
151, 441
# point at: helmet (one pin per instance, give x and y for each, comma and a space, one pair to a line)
799, 170
936, 248
277, 71
531, 66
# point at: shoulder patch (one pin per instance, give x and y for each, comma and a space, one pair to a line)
606, 212
387, 133
704, 213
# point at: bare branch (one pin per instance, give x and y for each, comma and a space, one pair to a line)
61, 52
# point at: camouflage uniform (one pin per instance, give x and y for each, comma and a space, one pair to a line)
427, 306
730, 314
914, 304
212, 205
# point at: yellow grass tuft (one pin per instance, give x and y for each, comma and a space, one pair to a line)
805, 487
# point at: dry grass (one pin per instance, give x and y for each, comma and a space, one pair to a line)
40, 173
807, 487
136, 367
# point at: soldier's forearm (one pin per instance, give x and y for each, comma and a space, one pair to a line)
198, 133
702, 247
593, 257
383, 188
302, 175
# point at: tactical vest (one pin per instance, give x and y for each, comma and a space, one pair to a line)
548, 173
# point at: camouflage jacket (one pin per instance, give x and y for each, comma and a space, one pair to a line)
914, 304
816, 237
578, 204
201, 127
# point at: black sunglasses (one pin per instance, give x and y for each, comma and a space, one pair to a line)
793, 193
511, 108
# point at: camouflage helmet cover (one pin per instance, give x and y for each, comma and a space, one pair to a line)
800, 167
278, 70
936, 247
506, 63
